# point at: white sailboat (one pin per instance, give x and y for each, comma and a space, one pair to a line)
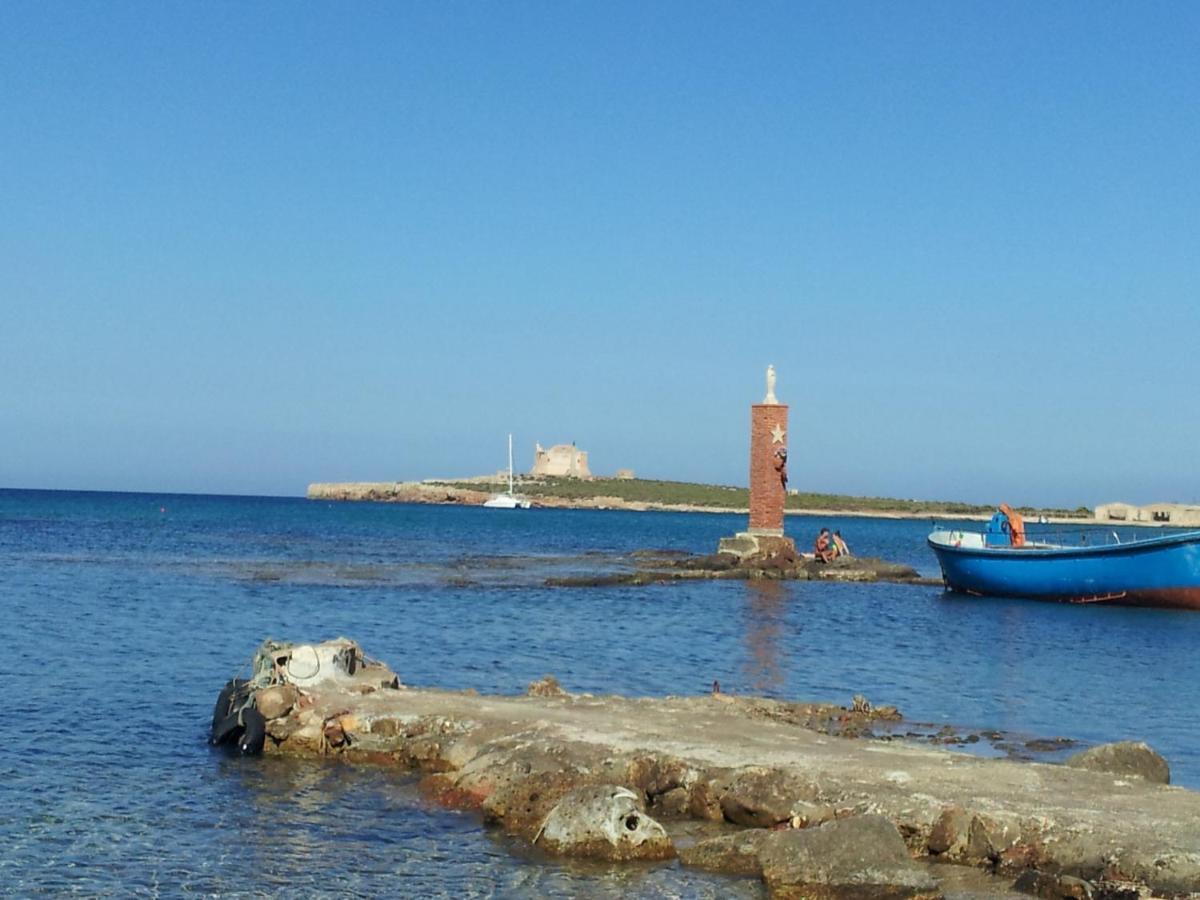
508, 500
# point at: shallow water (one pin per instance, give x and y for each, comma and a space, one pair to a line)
123, 615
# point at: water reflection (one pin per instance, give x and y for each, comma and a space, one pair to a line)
765, 626
1013, 652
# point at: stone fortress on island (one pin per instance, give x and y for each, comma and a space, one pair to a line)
560, 461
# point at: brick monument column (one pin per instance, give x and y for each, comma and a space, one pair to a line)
768, 480
768, 431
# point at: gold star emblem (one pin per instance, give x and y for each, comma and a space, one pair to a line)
777, 434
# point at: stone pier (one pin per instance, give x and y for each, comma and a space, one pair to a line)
795, 801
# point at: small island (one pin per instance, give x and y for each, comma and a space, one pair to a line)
652, 494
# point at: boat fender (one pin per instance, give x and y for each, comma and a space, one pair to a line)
221, 709
225, 712
224, 731
255, 732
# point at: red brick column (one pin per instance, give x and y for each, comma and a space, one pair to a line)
768, 434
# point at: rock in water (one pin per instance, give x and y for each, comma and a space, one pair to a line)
733, 854
863, 856
1124, 758
546, 687
276, 701
603, 822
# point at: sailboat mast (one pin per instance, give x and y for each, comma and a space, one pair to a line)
510, 481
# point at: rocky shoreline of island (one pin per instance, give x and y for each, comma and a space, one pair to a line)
474, 492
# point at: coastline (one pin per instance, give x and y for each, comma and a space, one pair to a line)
446, 494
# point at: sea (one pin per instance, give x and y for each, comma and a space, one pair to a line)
122, 615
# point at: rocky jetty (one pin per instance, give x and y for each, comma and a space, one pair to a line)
786, 794
666, 566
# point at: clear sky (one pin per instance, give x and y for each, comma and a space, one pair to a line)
247, 246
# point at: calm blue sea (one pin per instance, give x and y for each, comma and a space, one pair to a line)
123, 614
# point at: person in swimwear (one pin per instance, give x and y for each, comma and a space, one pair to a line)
839, 544
824, 548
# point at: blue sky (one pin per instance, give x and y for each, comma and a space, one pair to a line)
248, 246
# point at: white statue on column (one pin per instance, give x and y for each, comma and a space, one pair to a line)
771, 398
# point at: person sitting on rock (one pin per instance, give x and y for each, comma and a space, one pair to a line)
824, 548
839, 544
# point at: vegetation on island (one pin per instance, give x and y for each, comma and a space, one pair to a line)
682, 493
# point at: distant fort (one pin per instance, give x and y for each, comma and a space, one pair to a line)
560, 461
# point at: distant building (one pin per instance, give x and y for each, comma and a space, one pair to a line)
625, 475
1118, 512
560, 461
1152, 514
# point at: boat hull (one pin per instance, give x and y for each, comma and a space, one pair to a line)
506, 501
1161, 572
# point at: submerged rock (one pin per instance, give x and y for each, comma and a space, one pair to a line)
603, 822
780, 565
1124, 758
733, 854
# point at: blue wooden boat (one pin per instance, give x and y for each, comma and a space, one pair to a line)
1159, 571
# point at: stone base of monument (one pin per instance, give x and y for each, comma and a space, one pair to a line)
749, 545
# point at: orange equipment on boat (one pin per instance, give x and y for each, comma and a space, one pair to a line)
1016, 525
